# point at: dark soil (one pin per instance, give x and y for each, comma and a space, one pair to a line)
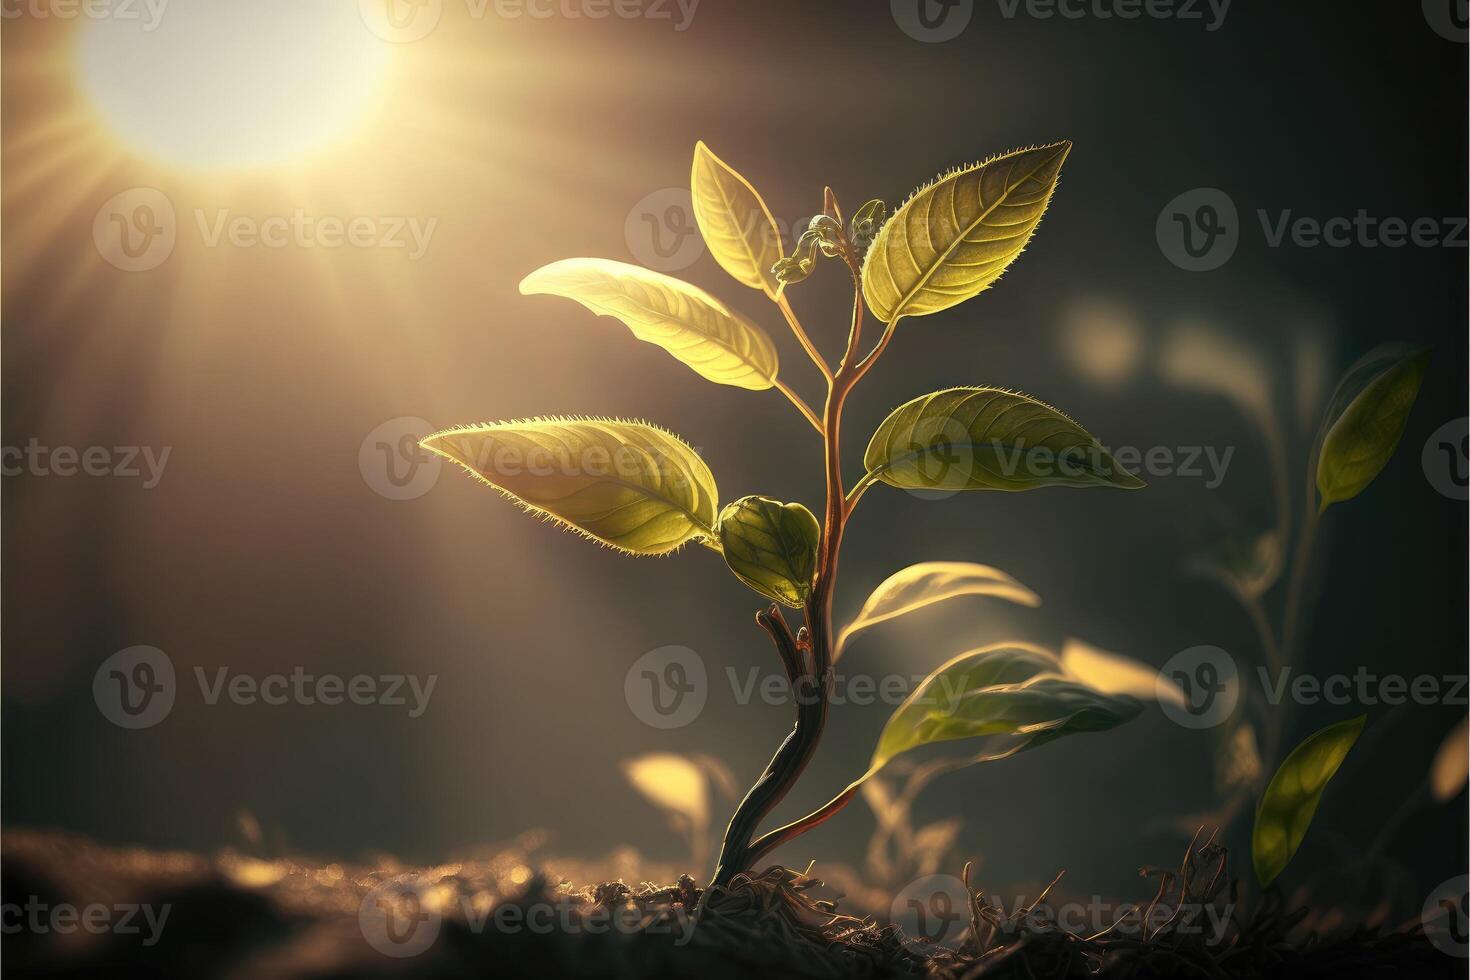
243, 917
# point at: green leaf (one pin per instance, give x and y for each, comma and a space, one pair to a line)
1366, 419
736, 224
1013, 690
630, 485
955, 236
771, 547
930, 582
684, 320
987, 439
1291, 798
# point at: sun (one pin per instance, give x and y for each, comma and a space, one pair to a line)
216, 86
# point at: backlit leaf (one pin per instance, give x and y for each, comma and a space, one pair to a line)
736, 224
1366, 420
682, 319
630, 485
671, 782
988, 439
771, 547
1291, 798
930, 582
955, 236
1451, 765
1113, 673
1013, 690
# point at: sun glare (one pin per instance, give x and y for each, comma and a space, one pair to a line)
233, 85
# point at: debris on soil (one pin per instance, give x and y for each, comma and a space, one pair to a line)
167, 914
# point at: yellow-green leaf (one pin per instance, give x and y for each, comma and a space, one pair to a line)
736, 224
955, 236
684, 320
630, 485
771, 547
1366, 420
1291, 798
988, 439
1013, 690
1113, 673
930, 582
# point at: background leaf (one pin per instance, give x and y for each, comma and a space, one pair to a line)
1366, 420
1291, 798
771, 547
954, 237
1451, 765
684, 320
988, 439
630, 485
927, 583
1013, 690
736, 224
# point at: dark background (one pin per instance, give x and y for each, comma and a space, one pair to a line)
264, 548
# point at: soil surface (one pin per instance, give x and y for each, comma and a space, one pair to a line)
76, 908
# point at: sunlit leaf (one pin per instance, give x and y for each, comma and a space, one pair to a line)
930, 582
988, 439
672, 783
736, 224
1290, 801
955, 236
1113, 673
682, 319
1451, 764
1013, 690
771, 547
1366, 420
630, 485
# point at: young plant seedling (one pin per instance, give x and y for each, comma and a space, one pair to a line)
642, 490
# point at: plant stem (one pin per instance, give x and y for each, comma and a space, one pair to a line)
801, 406
801, 335
812, 687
